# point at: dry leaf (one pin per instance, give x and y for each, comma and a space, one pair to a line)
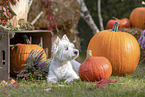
104, 82
4, 92
15, 84
48, 89
9, 85
61, 85
3, 82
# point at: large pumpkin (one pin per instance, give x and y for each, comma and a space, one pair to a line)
121, 48
95, 69
137, 18
19, 55
123, 23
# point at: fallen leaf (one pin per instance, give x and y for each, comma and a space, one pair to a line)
12, 81
9, 85
48, 89
104, 82
61, 85
3, 82
118, 83
115, 80
4, 92
15, 84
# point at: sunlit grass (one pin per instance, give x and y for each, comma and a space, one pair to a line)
134, 86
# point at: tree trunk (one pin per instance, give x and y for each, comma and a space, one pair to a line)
87, 17
99, 14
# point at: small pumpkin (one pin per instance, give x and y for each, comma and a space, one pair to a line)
19, 54
123, 23
120, 48
95, 68
137, 18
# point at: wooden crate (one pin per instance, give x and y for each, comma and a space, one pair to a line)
9, 38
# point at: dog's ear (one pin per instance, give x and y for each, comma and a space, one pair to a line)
55, 45
65, 37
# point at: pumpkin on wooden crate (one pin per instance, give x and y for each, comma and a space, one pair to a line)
95, 68
19, 54
123, 23
137, 17
120, 48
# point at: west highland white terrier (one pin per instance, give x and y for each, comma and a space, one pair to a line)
63, 65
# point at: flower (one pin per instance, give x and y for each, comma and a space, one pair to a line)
141, 40
36, 68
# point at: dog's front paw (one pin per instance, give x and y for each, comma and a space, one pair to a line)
53, 80
68, 80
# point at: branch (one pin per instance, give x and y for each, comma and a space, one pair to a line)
99, 14
38, 16
87, 17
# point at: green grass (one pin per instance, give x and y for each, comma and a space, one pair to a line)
134, 87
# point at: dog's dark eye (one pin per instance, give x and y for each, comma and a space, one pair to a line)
66, 48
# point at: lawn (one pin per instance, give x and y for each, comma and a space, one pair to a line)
132, 86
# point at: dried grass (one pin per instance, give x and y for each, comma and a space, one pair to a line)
136, 32
67, 14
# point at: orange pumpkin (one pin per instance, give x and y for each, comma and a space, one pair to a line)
120, 48
137, 18
19, 55
123, 23
95, 69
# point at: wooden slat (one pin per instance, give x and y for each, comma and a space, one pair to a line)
34, 31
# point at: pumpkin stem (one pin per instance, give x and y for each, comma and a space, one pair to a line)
26, 39
115, 18
89, 53
115, 27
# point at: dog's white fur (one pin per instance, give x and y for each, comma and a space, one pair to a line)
63, 65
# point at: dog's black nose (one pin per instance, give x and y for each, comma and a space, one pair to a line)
75, 52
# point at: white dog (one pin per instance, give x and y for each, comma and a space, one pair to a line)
63, 65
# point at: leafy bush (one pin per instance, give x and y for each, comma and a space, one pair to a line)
22, 25
36, 68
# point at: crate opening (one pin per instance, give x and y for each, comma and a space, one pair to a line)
3, 57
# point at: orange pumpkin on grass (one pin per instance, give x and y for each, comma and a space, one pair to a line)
120, 48
95, 68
